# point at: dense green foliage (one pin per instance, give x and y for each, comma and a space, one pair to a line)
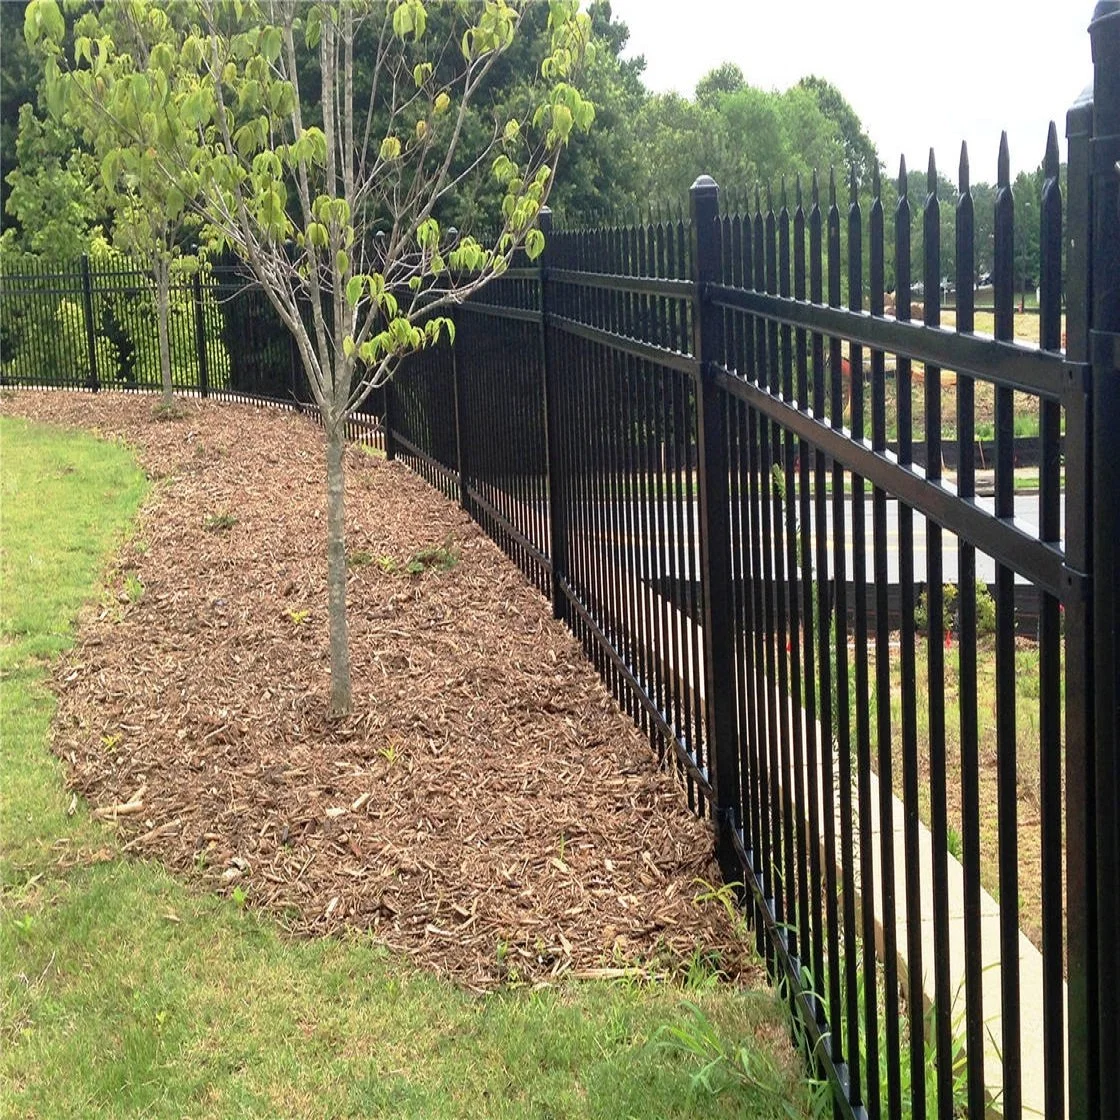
645, 150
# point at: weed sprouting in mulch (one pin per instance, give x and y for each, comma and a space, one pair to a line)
486, 808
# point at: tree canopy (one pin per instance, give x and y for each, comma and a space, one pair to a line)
646, 150
343, 215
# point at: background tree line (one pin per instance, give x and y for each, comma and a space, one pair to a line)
644, 152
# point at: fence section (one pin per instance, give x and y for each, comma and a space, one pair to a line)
877, 662
94, 325
91, 324
623, 378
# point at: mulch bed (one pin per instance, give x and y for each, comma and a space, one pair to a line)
486, 809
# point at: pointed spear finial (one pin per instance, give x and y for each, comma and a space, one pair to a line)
832, 186
931, 174
797, 191
783, 198
875, 184
816, 193
1050, 161
903, 180
757, 198
962, 170
680, 211
1003, 172
853, 190
769, 198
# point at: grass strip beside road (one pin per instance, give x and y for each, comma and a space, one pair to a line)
124, 993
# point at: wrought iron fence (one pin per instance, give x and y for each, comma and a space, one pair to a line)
91, 324
705, 439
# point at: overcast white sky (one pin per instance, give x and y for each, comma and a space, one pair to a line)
918, 74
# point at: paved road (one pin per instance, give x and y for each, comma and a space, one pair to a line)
639, 553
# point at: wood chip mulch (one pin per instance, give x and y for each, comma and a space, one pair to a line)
486, 809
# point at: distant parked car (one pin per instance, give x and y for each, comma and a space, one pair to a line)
985, 280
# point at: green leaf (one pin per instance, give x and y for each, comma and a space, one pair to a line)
503, 169
245, 140
534, 244
427, 234
109, 168
342, 262
402, 21
270, 43
562, 121
195, 109
141, 93
43, 18
313, 29
354, 288
410, 18
273, 215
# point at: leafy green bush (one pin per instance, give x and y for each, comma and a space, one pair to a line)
949, 597
985, 610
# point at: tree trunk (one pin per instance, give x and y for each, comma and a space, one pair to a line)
336, 569
163, 301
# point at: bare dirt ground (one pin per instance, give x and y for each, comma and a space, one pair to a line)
486, 809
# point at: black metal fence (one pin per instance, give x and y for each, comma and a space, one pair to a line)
92, 325
705, 440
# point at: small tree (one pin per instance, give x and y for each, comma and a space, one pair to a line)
338, 220
129, 143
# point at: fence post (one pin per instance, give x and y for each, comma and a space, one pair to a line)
200, 335
715, 523
557, 511
461, 429
390, 393
1080, 879
1104, 356
94, 381
460, 425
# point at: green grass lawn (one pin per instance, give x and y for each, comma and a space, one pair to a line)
124, 993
